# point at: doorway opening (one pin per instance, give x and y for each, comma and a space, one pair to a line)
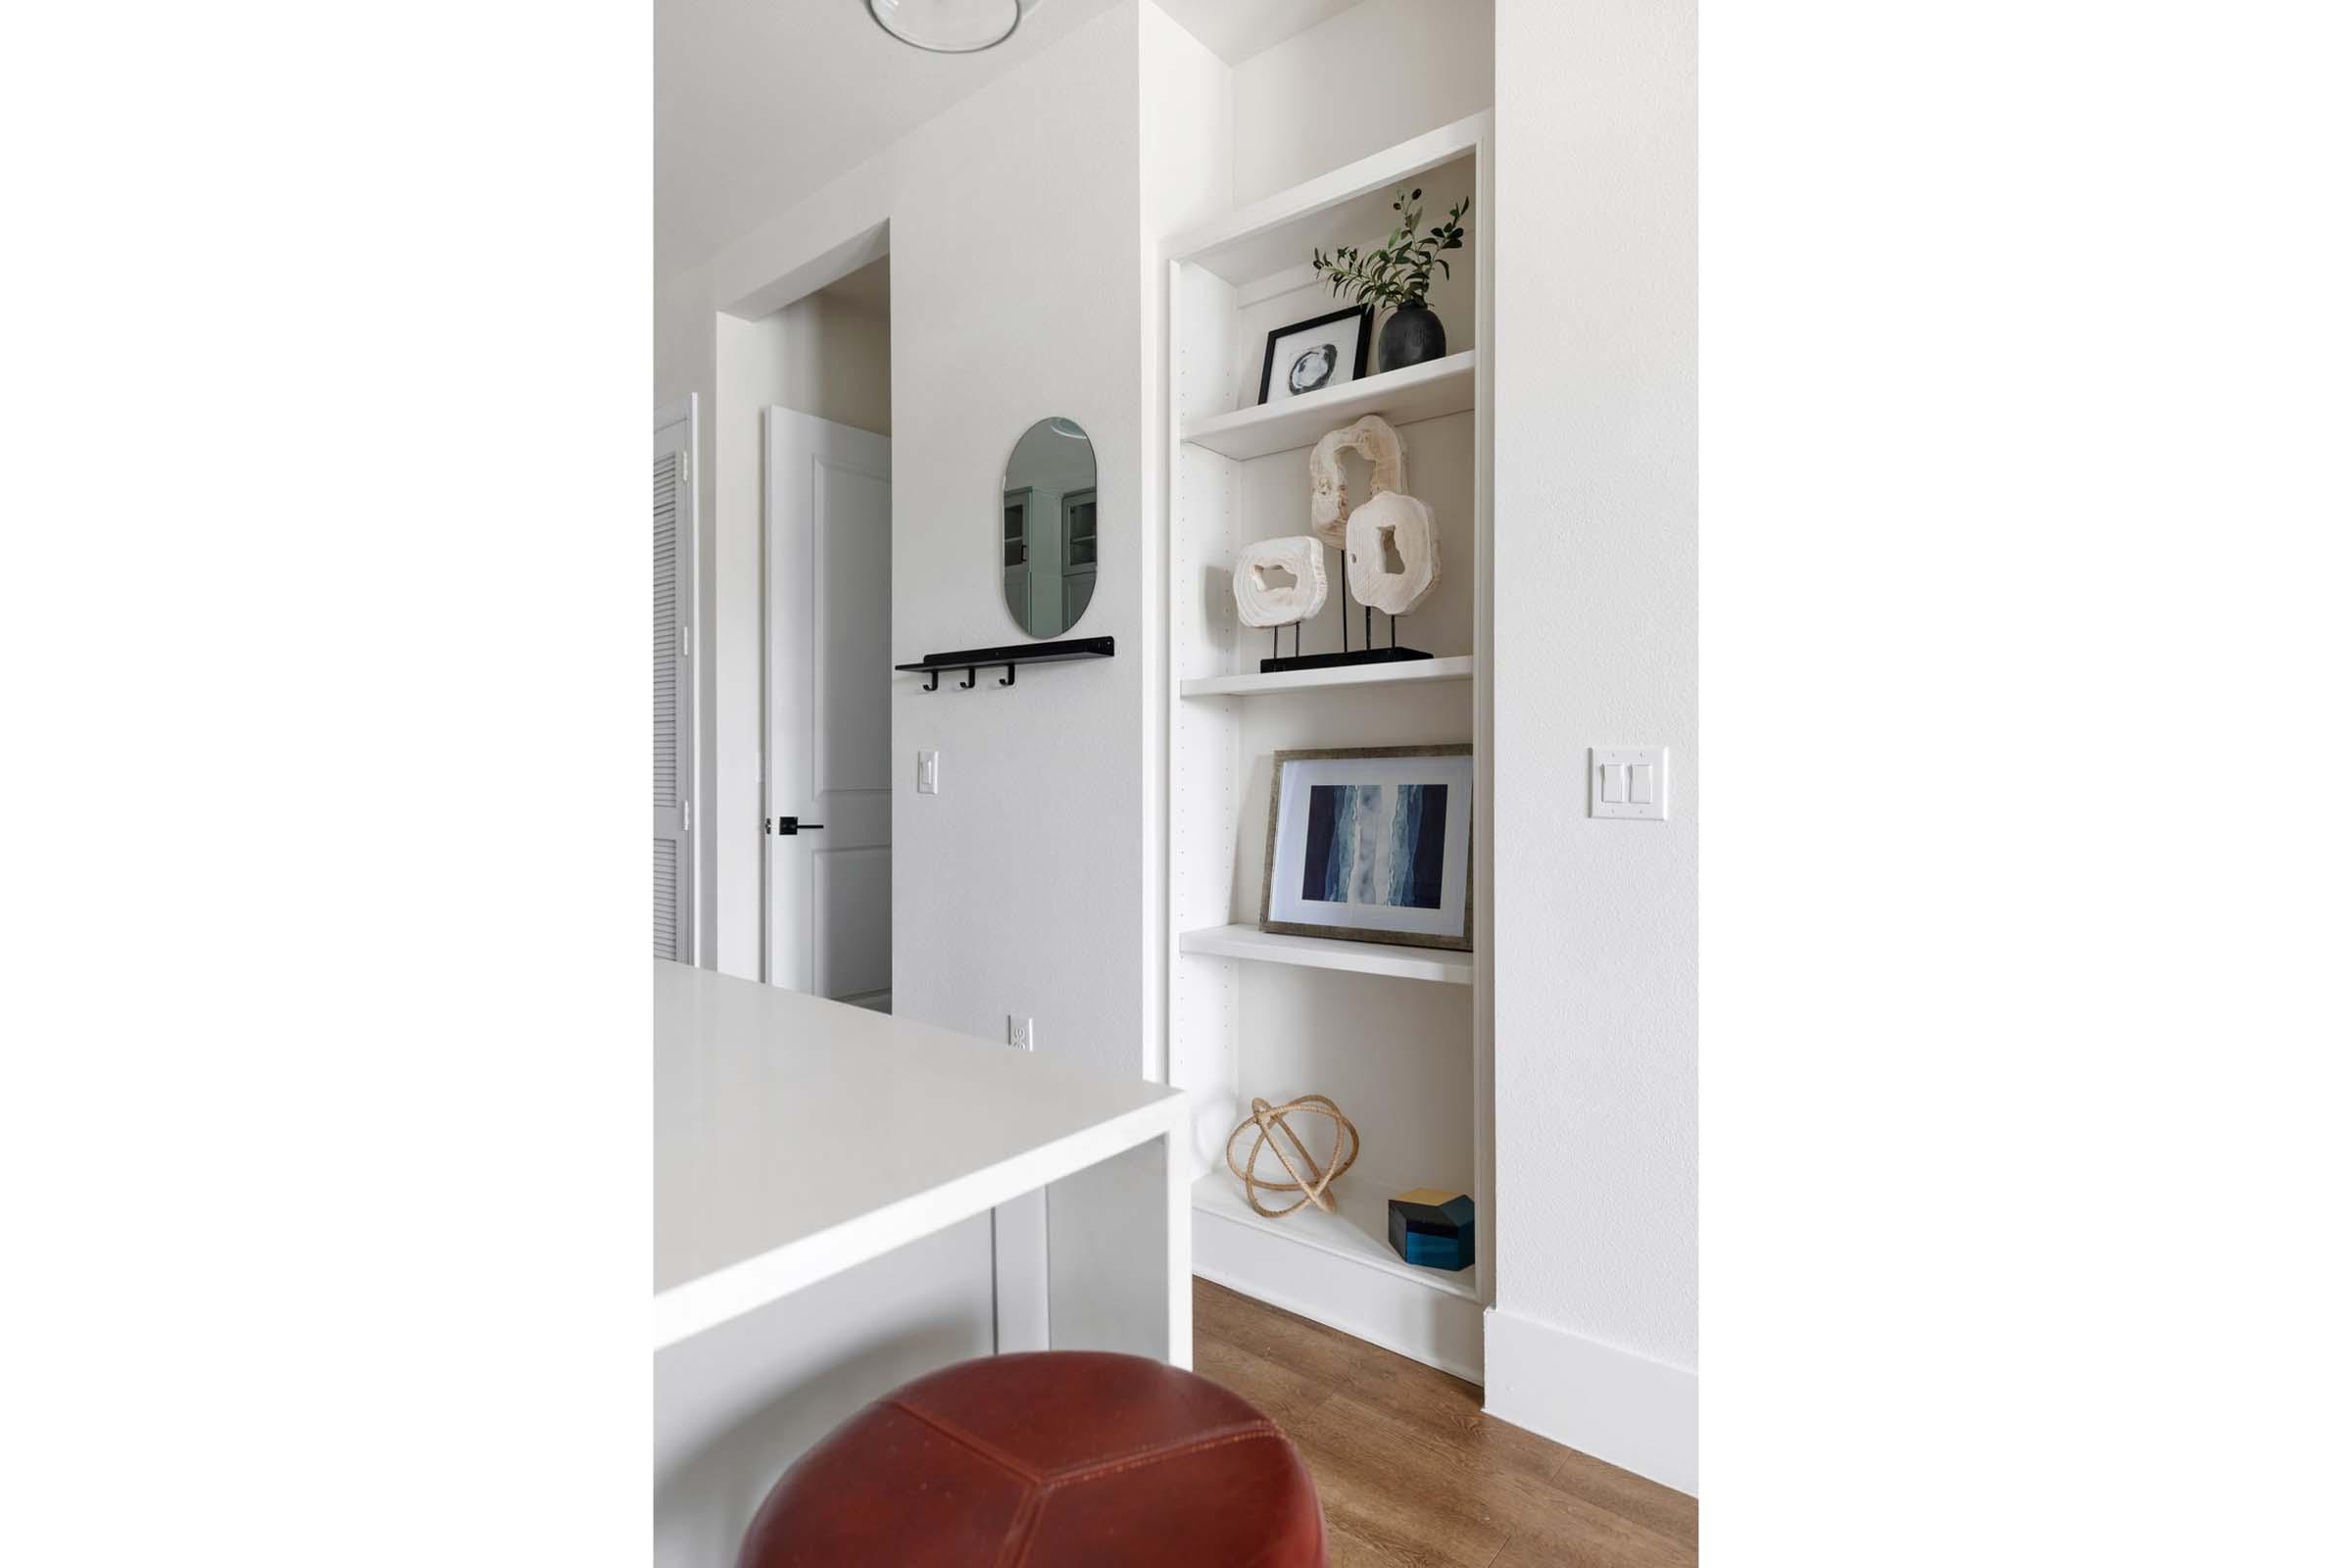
825, 779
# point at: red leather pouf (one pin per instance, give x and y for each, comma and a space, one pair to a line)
1057, 1459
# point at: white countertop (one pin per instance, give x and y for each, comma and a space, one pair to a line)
796, 1136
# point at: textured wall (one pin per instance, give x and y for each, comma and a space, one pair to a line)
1596, 643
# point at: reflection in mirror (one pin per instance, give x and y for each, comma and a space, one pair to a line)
1046, 537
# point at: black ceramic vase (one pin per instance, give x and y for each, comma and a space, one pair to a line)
1413, 337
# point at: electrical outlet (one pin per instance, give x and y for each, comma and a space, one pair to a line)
926, 772
1020, 1033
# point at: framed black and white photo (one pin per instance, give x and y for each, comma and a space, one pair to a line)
1309, 356
1370, 843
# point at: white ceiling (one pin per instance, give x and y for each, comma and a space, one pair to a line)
759, 103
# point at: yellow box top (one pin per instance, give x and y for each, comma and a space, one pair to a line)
1433, 1196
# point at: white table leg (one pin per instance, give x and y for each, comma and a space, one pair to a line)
1121, 1256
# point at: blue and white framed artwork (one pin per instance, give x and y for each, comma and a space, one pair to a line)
1370, 843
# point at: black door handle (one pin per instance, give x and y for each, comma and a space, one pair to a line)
788, 826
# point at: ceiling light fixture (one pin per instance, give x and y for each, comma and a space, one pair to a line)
950, 27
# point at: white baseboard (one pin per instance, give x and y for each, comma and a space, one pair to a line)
1635, 1413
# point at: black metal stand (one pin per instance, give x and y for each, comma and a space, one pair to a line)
1346, 656
1353, 656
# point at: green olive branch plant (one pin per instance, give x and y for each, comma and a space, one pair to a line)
1395, 276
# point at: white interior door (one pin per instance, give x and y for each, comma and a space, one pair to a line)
828, 709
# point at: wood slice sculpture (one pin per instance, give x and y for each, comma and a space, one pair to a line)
1307, 1179
1265, 603
1374, 438
1393, 553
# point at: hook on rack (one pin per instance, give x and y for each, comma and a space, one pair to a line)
971, 678
1008, 673
933, 685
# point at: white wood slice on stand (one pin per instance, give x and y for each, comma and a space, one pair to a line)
1393, 553
1377, 441
1264, 602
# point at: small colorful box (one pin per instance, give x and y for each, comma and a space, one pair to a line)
1434, 1229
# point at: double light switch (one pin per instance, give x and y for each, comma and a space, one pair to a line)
1630, 782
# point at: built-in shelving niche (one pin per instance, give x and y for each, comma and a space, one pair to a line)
1398, 1036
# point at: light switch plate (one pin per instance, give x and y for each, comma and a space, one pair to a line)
926, 772
1629, 782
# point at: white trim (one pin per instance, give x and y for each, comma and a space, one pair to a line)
1482, 739
1635, 1413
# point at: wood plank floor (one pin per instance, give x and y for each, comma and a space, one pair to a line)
1411, 1471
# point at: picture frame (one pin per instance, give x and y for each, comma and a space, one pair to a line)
1370, 843
1318, 354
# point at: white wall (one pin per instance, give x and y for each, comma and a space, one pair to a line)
1029, 885
1016, 888
1378, 73
1595, 1336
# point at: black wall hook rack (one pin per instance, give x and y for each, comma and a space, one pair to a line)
973, 661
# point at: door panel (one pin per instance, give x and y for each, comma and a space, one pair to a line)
853, 922
851, 643
827, 740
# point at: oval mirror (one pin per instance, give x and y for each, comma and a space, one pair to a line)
1046, 530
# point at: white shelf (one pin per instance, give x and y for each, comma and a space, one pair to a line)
1359, 1233
1420, 673
1443, 964
1417, 392
1276, 231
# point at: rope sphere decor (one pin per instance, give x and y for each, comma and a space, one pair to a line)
1314, 1185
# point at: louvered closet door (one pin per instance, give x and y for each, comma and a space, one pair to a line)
674, 686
